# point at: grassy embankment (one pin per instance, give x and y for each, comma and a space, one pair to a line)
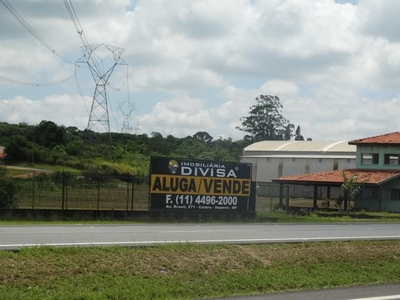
188, 271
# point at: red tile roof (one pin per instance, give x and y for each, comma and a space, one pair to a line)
372, 177
389, 138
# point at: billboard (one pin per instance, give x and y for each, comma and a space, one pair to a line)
199, 184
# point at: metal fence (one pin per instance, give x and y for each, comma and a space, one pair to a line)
272, 196
72, 191
80, 191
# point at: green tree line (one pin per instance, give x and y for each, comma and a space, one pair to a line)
121, 153
49, 143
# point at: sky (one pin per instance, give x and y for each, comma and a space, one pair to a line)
198, 65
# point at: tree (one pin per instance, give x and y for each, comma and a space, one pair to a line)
158, 145
351, 187
193, 148
74, 147
288, 132
48, 134
203, 136
265, 121
298, 136
17, 149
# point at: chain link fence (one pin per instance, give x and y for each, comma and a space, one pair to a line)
271, 197
84, 191
73, 191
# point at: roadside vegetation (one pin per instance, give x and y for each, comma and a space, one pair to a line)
176, 271
54, 147
129, 154
326, 216
272, 217
189, 271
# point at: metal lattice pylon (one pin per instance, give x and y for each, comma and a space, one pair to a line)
101, 66
126, 108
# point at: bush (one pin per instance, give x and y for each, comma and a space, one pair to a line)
279, 207
7, 192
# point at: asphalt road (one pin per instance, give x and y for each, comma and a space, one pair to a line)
15, 237
373, 292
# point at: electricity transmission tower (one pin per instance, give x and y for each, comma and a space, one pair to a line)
101, 60
127, 108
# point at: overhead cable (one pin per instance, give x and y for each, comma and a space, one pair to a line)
75, 21
87, 49
29, 84
32, 31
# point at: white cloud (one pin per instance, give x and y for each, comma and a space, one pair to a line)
199, 65
61, 109
380, 18
279, 87
179, 116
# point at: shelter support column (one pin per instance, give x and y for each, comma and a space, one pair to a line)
315, 206
328, 196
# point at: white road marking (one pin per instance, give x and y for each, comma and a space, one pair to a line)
393, 297
233, 241
204, 231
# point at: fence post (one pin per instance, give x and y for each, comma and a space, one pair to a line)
33, 192
280, 194
287, 199
253, 196
63, 190
67, 180
127, 196
315, 198
133, 192
98, 194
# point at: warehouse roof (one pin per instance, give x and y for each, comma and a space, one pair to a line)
300, 146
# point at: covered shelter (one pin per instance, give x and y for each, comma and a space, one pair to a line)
377, 173
376, 191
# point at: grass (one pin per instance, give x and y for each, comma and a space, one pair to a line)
279, 217
333, 217
188, 271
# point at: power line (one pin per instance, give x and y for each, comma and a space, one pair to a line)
32, 31
79, 88
75, 21
87, 49
30, 84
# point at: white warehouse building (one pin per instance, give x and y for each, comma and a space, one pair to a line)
273, 159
